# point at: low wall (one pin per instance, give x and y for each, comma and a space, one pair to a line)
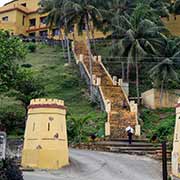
151, 98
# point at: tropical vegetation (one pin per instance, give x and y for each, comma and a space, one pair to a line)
138, 48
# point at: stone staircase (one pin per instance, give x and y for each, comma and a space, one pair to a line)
112, 94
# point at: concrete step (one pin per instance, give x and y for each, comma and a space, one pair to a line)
126, 140
125, 144
133, 152
148, 149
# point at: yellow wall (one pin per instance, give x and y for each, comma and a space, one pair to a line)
151, 98
16, 13
41, 148
173, 25
176, 145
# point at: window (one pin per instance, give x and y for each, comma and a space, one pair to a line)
43, 33
5, 18
23, 4
43, 20
71, 29
55, 32
23, 20
49, 126
32, 22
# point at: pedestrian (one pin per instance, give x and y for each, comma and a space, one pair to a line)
124, 104
130, 132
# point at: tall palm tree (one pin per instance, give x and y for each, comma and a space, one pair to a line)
83, 13
160, 7
165, 70
162, 73
176, 8
141, 37
55, 10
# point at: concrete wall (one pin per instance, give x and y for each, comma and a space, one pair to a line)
151, 98
176, 145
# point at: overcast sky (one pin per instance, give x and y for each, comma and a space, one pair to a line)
2, 2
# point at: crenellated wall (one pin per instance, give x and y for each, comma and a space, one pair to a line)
45, 139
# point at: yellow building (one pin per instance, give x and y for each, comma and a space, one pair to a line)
21, 17
176, 145
45, 140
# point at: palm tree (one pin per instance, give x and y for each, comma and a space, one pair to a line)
76, 127
162, 73
165, 70
55, 10
176, 8
83, 13
141, 37
160, 7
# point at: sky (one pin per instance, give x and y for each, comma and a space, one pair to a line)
2, 2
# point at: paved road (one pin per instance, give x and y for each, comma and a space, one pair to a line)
88, 165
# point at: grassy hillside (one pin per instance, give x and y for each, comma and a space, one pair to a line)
63, 82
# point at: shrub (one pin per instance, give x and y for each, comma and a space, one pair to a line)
32, 47
10, 171
12, 115
26, 65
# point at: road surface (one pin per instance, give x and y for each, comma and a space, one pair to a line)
89, 165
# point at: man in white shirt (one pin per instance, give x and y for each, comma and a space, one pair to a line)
130, 132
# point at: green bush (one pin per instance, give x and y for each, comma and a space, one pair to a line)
159, 122
32, 47
12, 115
9, 170
26, 65
82, 127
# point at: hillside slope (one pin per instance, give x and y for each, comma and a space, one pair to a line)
63, 82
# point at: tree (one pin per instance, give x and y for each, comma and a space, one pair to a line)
164, 72
140, 37
82, 13
55, 10
27, 87
11, 50
160, 7
176, 8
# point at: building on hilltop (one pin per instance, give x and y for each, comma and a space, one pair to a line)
21, 17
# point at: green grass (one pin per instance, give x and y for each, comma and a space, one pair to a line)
62, 81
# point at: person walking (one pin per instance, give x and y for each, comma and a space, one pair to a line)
130, 132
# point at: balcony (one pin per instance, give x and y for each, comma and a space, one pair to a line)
37, 28
11, 7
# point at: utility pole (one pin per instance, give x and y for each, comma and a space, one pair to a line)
164, 160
